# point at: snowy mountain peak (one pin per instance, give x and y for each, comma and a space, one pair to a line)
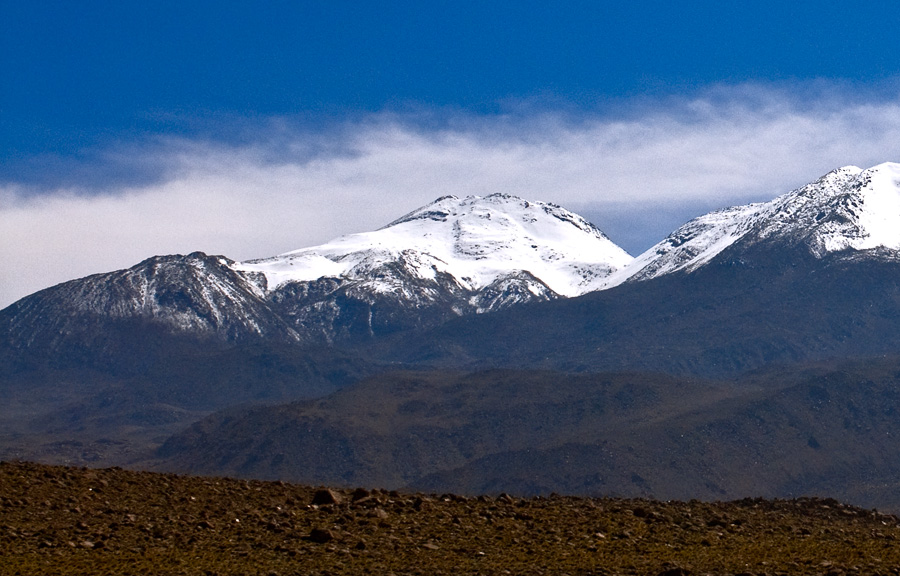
475, 207
197, 294
846, 209
475, 240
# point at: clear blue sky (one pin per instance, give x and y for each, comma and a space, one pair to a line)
245, 114
77, 74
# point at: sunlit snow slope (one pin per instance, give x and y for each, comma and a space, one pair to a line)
847, 209
475, 240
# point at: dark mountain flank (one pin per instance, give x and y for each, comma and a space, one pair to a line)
812, 431
746, 309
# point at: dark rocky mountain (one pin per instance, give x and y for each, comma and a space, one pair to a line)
119, 411
818, 432
749, 307
388, 430
815, 430
197, 295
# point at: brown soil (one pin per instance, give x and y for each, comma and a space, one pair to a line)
56, 520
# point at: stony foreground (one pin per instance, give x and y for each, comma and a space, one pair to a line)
56, 520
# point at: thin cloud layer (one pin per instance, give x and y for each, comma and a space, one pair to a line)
292, 188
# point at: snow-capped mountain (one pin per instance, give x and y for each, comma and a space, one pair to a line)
809, 277
848, 209
476, 241
452, 257
197, 294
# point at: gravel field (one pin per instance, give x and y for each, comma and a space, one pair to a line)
58, 520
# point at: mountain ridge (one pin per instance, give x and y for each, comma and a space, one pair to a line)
456, 256
847, 209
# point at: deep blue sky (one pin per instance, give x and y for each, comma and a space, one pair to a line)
77, 75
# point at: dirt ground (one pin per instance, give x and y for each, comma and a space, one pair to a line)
57, 520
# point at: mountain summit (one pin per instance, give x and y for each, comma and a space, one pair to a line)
848, 209
474, 241
452, 257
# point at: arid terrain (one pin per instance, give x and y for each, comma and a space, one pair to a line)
57, 520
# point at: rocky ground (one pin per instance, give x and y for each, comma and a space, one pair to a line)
56, 520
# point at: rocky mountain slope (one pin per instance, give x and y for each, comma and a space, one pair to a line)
76, 521
766, 306
816, 430
199, 295
452, 257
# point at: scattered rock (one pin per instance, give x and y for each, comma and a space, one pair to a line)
320, 536
326, 497
167, 524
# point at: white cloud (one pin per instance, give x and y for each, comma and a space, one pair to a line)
729, 146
